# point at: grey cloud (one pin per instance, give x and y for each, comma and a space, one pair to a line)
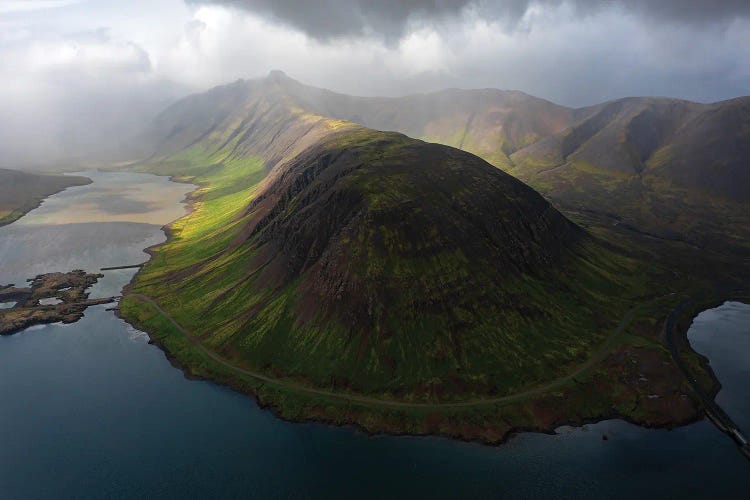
330, 19
70, 88
693, 11
84, 94
326, 19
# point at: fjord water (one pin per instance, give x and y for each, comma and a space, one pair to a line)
723, 336
91, 410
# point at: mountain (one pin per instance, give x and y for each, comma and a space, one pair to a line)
654, 167
695, 146
490, 123
672, 169
21, 192
323, 253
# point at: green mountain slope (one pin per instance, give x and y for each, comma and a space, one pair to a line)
634, 169
353, 260
672, 169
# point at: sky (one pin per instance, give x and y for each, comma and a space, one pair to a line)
78, 76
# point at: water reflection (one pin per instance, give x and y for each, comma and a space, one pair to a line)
122, 197
82, 227
723, 336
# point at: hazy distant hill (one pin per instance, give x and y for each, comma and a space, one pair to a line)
23, 191
489, 123
671, 168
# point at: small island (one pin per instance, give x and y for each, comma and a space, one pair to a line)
49, 298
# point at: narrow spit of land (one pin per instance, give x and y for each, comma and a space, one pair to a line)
114, 268
21, 192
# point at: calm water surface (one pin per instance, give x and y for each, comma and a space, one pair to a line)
91, 410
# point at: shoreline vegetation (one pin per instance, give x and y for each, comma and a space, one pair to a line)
394, 424
492, 421
600, 392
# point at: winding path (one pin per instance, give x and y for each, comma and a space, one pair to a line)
554, 384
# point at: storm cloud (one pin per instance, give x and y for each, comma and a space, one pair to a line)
391, 20
326, 19
78, 76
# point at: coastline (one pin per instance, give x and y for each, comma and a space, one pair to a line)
679, 343
493, 427
489, 435
36, 202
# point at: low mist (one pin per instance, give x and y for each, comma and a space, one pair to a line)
81, 79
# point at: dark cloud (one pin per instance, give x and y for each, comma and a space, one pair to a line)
326, 19
389, 20
692, 11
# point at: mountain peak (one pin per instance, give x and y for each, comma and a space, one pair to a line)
276, 75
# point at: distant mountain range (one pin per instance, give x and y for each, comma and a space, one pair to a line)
675, 169
666, 168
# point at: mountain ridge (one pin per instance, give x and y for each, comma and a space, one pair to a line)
630, 160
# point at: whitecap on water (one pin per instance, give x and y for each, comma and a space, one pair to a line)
34, 328
135, 334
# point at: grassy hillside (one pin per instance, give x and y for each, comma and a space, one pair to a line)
359, 276
665, 175
21, 192
672, 170
351, 292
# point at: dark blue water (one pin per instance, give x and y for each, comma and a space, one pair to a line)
91, 410
723, 336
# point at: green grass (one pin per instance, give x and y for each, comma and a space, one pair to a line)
213, 292
483, 341
10, 216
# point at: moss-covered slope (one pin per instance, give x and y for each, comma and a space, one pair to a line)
368, 262
646, 171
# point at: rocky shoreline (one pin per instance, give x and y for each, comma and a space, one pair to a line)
49, 298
